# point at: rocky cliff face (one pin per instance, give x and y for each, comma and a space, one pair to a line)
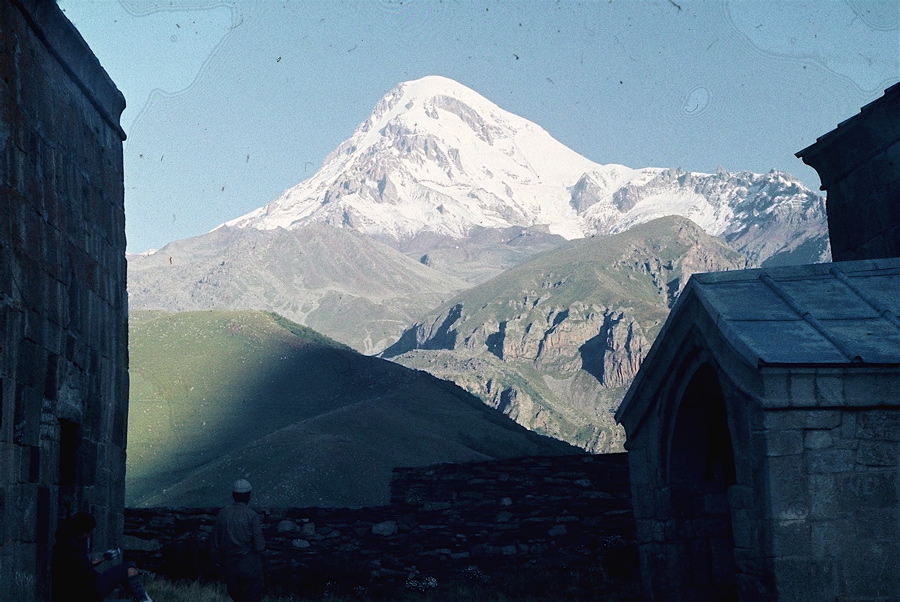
555, 342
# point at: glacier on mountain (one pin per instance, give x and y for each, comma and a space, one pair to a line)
437, 157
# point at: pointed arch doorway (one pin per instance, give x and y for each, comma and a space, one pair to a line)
700, 470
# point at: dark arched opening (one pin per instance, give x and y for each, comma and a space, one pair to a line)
700, 471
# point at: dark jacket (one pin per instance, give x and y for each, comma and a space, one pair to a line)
237, 532
73, 575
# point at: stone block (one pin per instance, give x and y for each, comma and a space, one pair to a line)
817, 439
829, 390
844, 442
742, 497
791, 537
776, 390
824, 501
644, 531
805, 580
131, 542
819, 419
721, 551
640, 466
787, 488
877, 524
784, 442
883, 425
870, 571
385, 528
826, 537
657, 530
865, 389
557, 531
746, 527
675, 557
288, 526
867, 490
878, 453
751, 586
801, 389
829, 460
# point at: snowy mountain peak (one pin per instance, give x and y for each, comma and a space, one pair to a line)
435, 156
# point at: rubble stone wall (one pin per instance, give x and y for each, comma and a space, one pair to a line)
63, 314
444, 522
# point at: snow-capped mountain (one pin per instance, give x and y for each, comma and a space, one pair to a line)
436, 157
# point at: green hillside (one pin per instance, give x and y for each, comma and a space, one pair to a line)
218, 395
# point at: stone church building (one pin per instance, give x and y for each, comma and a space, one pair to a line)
763, 428
63, 305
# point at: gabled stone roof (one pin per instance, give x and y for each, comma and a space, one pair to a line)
844, 314
829, 313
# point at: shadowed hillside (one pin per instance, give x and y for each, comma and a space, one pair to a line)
217, 395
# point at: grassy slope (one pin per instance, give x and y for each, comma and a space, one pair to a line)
216, 395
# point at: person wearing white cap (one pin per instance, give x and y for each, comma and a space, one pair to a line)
237, 545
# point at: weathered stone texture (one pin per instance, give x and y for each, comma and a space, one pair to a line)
813, 512
63, 314
859, 165
834, 503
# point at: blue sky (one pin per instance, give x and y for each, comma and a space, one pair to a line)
231, 103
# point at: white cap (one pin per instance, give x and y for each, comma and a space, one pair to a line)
241, 486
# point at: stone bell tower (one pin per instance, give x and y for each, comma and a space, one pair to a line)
63, 300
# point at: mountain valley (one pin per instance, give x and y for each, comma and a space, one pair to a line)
458, 239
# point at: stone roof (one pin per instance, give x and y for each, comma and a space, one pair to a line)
855, 140
829, 313
840, 315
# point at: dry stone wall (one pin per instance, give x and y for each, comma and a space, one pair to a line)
445, 522
63, 313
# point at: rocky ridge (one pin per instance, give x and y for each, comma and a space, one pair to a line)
555, 342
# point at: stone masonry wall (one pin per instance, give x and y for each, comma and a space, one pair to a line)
835, 502
444, 522
63, 314
859, 166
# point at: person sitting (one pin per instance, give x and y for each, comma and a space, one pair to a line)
74, 577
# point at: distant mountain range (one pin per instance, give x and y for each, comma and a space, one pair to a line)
464, 188
337, 281
220, 395
443, 208
435, 158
